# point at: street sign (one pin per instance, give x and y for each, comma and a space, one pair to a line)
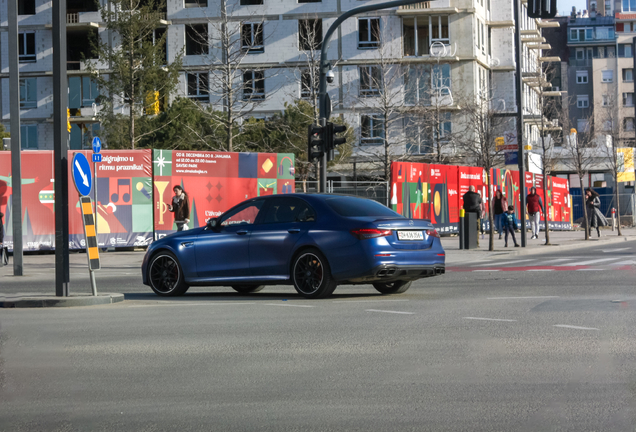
82, 174
97, 157
97, 145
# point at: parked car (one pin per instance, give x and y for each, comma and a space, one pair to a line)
314, 242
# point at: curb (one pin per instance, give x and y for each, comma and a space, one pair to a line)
47, 301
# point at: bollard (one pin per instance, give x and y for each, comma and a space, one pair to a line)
613, 219
461, 228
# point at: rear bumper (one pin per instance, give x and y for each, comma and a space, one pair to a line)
392, 272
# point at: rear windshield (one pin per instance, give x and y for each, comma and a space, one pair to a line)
353, 207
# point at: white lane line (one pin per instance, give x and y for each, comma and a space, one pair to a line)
289, 305
538, 270
528, 297
504, 262
574, 327
612, 250
551, 262
484, 270
192, 304
368, 301
490, 319
620, 263
594, 261
388, 311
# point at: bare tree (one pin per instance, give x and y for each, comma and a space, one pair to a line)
482, 125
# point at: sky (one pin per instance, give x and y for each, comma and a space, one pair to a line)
565, 6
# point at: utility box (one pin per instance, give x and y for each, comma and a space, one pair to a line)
469, 231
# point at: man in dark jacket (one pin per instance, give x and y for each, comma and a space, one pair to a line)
472, 204
534, 204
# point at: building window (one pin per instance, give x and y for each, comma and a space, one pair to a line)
368, 33
581, 77
26, 47
629, 5
26, 7
580, 34
421, 32
370, 80
29, 136
424, 84
628, 75
625, 50
253, 85
608, 7
196, 3
252, 37
628, 99
308, 88
309, 34
371, 130
251, 2
423, 140
82, 92
582, 101
580, 54
607, 76
196, 39
28, 93
606, 100
628, 123
198, 88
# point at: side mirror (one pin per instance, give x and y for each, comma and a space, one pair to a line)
212, 224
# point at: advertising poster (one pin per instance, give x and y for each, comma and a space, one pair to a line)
38, 218
444, 212
214, 182
123, 204
561, 210
625, 159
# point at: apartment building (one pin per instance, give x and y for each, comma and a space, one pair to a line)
447, 48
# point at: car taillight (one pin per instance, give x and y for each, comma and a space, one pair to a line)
367, 233
432, 232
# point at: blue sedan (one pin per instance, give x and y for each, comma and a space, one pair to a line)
314, 242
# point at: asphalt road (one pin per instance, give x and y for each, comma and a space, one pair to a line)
526, 343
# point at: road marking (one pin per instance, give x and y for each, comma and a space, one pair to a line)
612, 250
528, 297
551, 262
193, 304
628, 262
502, 263
594, 261
388, 311
540, 270
588, 269
287, 304
368, 301
490, 319
484, 270
575, 327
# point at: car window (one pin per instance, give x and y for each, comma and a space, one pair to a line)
243, 215
357, 207
285, 210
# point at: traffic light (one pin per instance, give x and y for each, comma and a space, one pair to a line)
332, 140
316, 141
542, 8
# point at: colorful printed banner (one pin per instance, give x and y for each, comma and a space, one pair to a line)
625, 164
435, 192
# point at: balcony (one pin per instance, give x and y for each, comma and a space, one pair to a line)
439, 7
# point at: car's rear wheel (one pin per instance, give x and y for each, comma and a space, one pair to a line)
246, 289
311, 275
166, 276
396, 287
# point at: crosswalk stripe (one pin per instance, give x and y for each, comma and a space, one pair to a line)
494, 263
594, 261
612, 250
552, 261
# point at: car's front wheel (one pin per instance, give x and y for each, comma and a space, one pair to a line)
246, 289
311, 275
395, 287
166, 276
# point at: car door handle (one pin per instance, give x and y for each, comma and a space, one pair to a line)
242, 232
293, 230
187, 244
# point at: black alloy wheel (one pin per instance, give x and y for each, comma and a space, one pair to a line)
311, 275
166, 277
396, 287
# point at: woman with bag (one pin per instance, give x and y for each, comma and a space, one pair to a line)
499, 204
180, 208
595, 218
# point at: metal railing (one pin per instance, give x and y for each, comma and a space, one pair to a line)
422, 5
377, 191
72, 18
627, 207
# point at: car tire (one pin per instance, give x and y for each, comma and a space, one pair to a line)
396, 287
246, 289
311, 274
166, 276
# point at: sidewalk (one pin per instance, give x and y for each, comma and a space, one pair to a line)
559, 241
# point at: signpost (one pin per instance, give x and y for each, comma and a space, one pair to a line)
97, 147
83, 181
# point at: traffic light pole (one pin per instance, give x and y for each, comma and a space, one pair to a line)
325, 66
519, 94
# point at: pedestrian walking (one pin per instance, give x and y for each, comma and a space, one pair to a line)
4, 255
482, 215
499, 206
595, 218
472, 204
535, 208
180, 208
510, 225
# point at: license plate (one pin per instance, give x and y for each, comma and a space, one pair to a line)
410, 235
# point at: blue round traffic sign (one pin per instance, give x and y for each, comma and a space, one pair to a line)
97, 145
82, 174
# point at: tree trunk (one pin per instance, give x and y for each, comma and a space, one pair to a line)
618, 205
546, 209
491, 239
585, 218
